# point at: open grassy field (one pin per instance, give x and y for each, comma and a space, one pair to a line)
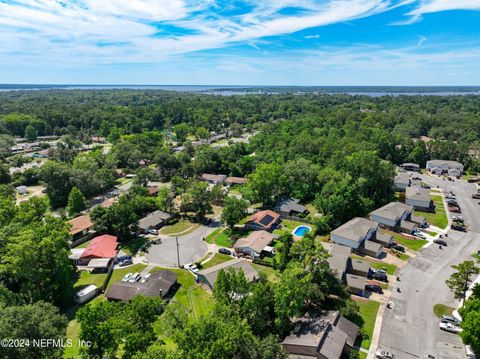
439, 218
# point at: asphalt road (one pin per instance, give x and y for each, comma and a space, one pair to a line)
410, 329
191, 248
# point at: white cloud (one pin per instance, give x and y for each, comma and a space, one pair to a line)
432, 6
112, 31
421, 40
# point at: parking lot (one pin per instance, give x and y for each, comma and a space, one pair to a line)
410, 329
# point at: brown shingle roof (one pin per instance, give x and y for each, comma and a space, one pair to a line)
256, 240
265, 218
80, 223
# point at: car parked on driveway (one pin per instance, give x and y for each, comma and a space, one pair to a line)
126, 277
126, 263
134, 278
153, 231
225, 251
455, 209
374, 288
419, 235
398, 247
192, 268
457, 218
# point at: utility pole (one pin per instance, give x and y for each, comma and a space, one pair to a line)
178, 252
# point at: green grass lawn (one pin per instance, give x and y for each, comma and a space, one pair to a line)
84, 244
133, 246
268, 271
362, 355
217, 259
368, 312
413, 244
183, 227
222, 237
439, 218
390, 268
73, 332
288, 226
86, 278
211, 237
400, 255
442, 309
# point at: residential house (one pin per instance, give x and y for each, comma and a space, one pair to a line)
254, 243
159, 283
358, 267
263, 220
213, 179
410, 167
419, 198
235, 181
80, 226
104, 246
152, 190
351, 271
396, 216
401, 182
154, 220
383, 238
22, 190
327, 335
208, 276
440, 167
290, 207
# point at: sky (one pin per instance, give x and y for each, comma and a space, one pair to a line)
245, 42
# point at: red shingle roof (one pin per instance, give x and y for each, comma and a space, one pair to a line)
101, 247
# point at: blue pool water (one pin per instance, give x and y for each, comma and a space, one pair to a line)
300, 231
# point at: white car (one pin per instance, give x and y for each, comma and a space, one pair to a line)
144, 279
153, 231
192, 268
449, 327
383, 354
134, 278
457, 218
126, 277
419, 235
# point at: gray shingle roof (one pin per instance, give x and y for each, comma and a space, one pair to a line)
359, 265
291, 205
418, 194
257, 240
355, 281
393, 211
153, 219
402, 178
356, 229
241, 264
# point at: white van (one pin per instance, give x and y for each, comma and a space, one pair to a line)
86, 294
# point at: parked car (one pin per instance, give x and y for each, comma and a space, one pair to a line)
383, 354
459, 228
123, 258
191, 268
134, 278
424, 185
156, 241
440, 242
380, 276
452, 203
153, 231
374, 288
450, 319
399, 248
454, 209
128, 262
449, 327
476, 195
457, 218
126, 277
224, 251
145, 278
417, 178
419, 235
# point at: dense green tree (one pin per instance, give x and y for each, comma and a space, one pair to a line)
197, 199
4, 174
471, 323
264, 182
111, 325
35, 321
57, 179
76, 202
233, 211
30, 133
165, 199
460, 281
181, 131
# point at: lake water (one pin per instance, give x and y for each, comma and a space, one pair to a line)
372, 91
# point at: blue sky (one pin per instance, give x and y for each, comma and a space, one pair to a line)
247, 42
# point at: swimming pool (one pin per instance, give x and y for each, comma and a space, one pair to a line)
300, 231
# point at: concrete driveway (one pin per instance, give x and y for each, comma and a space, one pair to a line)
410, 329
191, 248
